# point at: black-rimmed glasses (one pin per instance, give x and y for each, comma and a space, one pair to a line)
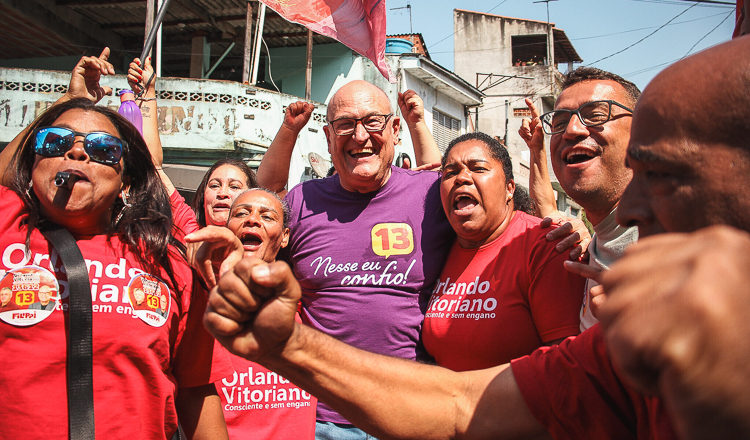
372, 123
591, 114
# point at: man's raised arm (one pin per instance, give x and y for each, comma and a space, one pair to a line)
273, 172
412, 111
540, 186
251, 312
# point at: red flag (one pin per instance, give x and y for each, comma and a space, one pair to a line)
359, 24
739, 18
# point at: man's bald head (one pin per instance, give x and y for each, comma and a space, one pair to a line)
358, 87
362, 157
690, 145
703, 98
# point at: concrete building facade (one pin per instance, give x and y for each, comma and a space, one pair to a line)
510, 59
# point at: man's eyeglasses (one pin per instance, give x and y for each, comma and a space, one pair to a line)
100, 147
591, 114
372, 123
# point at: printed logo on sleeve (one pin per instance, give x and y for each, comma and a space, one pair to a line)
28, 295
150, 299
392, 239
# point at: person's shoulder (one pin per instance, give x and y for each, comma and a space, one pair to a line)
9, 198
318, 192
527, 219
314, 185
415, 182
534, 236
529, 224
412, 175
587, 349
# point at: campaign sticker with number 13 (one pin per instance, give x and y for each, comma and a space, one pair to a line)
392, 239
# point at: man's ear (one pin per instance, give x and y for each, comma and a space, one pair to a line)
285, 238
396, 127
328, 137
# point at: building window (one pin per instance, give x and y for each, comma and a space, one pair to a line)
529, 50
522, 112
444, 129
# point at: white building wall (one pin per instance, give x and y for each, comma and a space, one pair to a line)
483, 44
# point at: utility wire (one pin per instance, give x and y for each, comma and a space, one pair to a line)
591, 37
626, 75
646, 28
709, 33
646, 69
454, 32
722, 5
713, 2
639, 41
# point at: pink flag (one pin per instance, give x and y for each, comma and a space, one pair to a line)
359, 24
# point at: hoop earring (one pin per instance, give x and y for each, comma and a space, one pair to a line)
124, 196
28, 190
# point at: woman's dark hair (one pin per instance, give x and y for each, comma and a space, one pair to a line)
145, 227
585, 73
521, 199
523, 202
198, 204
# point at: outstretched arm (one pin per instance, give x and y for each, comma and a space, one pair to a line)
84, 83
412, 112
251, 312
273, 171
137, 77
540, 186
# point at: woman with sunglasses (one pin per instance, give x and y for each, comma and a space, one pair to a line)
88, 170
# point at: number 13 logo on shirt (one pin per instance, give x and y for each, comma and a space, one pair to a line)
392, 239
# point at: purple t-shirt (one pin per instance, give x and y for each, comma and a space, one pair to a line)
367, 262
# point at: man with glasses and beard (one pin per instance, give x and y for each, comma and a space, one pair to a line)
590, 129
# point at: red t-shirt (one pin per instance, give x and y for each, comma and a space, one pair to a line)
183, 217
260, 404
137, 367
257, 403
573, 390
502, 300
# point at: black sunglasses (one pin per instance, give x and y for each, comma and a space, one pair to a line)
100, 147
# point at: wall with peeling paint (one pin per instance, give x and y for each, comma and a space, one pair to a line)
200, 121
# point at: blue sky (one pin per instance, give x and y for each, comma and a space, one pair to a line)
596, 28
